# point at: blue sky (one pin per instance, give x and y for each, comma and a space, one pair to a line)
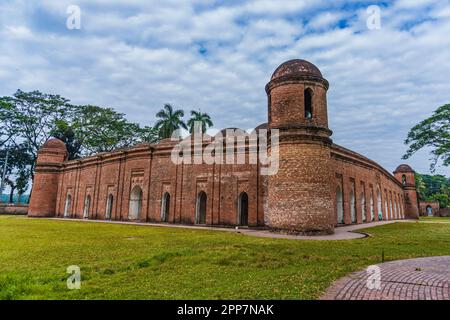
136, 55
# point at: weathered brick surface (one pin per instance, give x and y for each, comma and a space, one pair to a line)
301, 197
423, 208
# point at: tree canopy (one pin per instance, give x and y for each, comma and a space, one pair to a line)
433, 132
202, 119
169, 121
434, 188
29, 119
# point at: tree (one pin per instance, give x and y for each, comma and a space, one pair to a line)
433, 132
65, 132
32, 117
203, 119
103, 130
169, 121
18, 169
6, 132
433, 188
149, 134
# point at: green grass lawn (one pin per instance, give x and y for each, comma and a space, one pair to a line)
435, 219
142, 262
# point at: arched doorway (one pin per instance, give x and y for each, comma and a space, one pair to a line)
353, 206
391, 210
109, 207
165, 206
429, 211
386, 208
134, 211
363, 207
379, 205
243, 209
87, 205
68, 206
372, 208
339, 205
200, 214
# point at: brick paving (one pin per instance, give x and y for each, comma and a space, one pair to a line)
413, 279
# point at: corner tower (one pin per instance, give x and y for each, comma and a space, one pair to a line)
406, 175
300, 195
45, 184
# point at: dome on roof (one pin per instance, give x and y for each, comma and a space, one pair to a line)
262, 126
404, 168
54, 143
296, 67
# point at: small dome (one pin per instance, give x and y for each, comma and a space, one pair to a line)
296, 67
262, 126
54, 143
404, 168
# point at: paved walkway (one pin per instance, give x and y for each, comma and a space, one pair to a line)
341, 233
414, 279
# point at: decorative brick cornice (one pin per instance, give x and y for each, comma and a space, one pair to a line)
299, 79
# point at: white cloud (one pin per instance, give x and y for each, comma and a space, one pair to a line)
136, 55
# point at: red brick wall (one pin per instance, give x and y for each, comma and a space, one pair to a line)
423, 205
354, 171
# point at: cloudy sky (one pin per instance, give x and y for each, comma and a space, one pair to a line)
218, 55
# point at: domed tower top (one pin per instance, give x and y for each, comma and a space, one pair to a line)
297, 95
54, 143
296, 67
403, 168
52, 151
405, 174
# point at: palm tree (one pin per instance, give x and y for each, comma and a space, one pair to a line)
203, 118
169, 121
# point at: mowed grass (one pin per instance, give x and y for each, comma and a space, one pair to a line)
143, 262
435, 219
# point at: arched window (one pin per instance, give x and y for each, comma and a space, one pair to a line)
403, 179
134, 211
353, 206
87, 205
308, 103
109, 207
165, 206
363, 207
200, 215
243, 209
340, 205
68, 206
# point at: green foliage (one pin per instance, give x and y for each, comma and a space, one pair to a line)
18, 169
198, 117
103, 130
434, 188
66, 133
29, 119
149, 134
169, 120
433, 132
136, 262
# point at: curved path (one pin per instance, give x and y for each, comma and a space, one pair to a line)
340, 233
413, 279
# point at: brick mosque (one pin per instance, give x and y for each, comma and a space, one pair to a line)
319, 185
